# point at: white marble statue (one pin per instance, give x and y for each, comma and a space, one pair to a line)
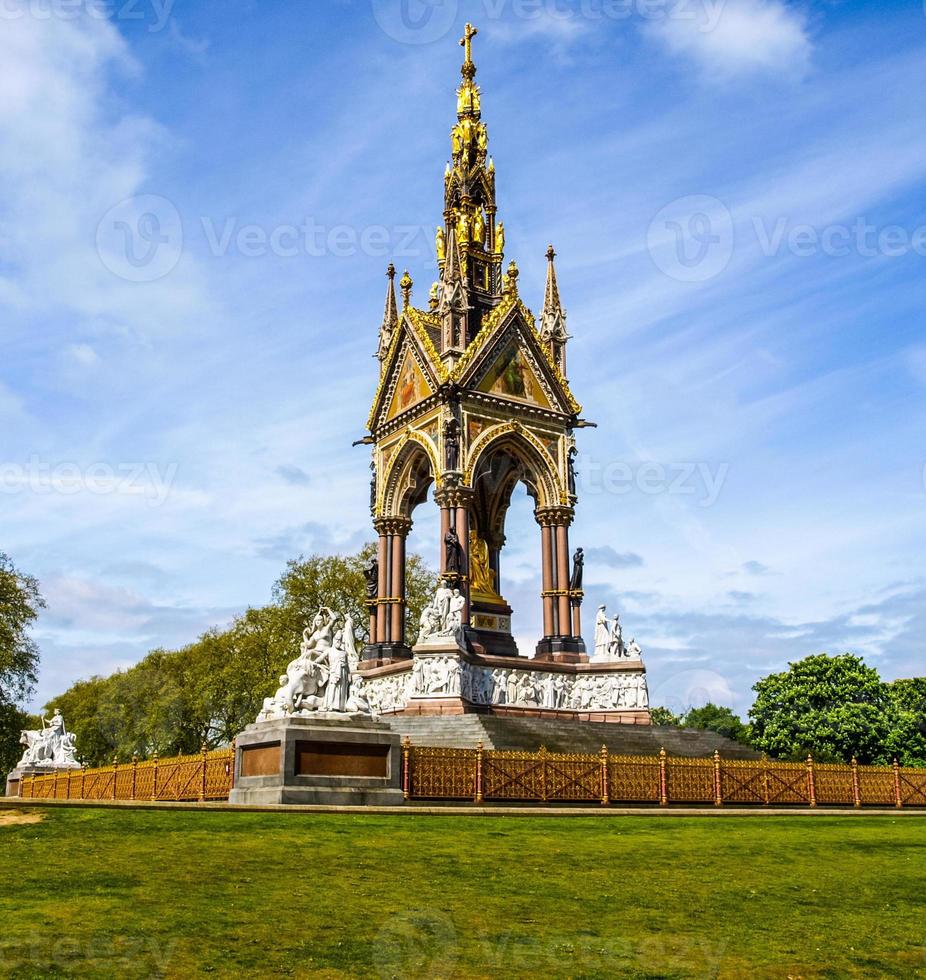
602, 634
442, 618
609, 639
323, 677
51, 748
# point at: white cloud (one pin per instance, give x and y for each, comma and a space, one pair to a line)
82, 354
741, 37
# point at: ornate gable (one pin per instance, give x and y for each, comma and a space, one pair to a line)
412, 371
507, 359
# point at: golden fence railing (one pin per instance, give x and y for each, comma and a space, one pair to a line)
432, 773
187, 778
437, 773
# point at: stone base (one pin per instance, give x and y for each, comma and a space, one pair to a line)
15, 778
329, 758
379, 654
562, 650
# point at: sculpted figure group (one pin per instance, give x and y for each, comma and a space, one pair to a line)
52, 748
321, 678
443, 617
609, 639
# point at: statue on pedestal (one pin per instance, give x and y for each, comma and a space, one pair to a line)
371, 574
51, 748
578, 571
453, 550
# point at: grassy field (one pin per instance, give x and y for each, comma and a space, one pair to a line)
91, 892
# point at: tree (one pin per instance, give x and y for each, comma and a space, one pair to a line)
173, 701
833, 708
907, 739
713, 718
20, 602
663, 716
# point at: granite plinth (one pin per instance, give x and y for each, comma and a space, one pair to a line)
327, 757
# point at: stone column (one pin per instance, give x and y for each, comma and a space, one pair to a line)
445, 520
397, 580
382, 587
549, 607
462, 523
562, 576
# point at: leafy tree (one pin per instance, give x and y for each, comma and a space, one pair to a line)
907, 739
713, 718
831, 707
12, 722
172, 702
663, 716
20, 602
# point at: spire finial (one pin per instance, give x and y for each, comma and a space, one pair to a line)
390, 316
405, 285
466, 42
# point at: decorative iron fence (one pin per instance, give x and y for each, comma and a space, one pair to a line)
548, 777
430, 773
207, 776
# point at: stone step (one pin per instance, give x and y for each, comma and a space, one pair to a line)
529, 734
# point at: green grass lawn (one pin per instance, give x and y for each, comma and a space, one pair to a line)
93, 892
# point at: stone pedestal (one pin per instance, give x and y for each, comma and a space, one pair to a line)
15, 778
325, 758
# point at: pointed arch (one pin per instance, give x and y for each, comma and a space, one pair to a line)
414, 466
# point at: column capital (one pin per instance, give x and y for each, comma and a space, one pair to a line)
454, 496
393, 525
554, 516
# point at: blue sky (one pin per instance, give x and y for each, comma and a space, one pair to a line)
735, 193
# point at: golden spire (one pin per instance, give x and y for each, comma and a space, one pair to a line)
390, 316
466, 42
553, 319
405, 285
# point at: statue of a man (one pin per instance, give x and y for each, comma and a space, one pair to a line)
573, 452
602, 634
371, 574
454, 553
578, 571
452, 444
457, 605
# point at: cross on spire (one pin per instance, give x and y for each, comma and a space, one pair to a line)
466, 42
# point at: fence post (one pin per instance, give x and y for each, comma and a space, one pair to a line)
83, 776
898, 798
115, 775
67, 786
406, 766
232, 764
54, 787
856, 790
765, 778
663, 782
479, 756
811, 782
202, 783
134, 774
154, 783
718, 793
605, 781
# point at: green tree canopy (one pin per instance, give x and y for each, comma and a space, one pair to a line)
714, 718
907, 738
20, 602
172, 702
831, 707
